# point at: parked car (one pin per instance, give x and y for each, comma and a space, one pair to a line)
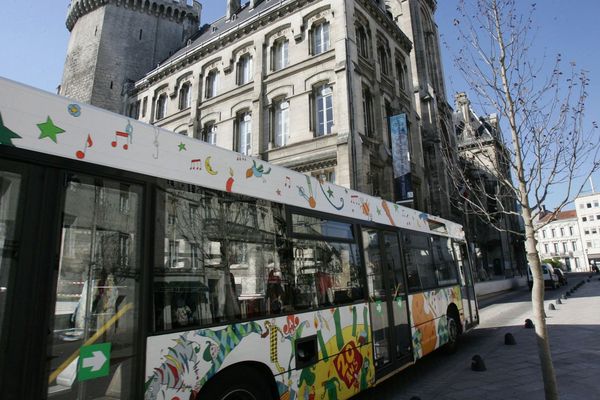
550, 278
562, 278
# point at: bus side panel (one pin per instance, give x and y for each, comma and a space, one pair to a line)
428, 312
178, 364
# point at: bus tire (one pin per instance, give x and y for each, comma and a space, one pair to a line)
243, 383
453, 332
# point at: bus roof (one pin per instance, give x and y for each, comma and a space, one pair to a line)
43, 122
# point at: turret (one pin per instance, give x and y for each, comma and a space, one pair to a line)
114, 42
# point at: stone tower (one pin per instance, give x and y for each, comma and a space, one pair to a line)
116, 42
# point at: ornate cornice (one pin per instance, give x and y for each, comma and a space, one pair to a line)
177, 11
387, 23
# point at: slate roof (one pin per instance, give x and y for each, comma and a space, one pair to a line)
222, 25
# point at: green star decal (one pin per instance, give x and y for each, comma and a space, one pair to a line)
182, 146
330, 192
395, 207
49, 130
6, 135
378, 211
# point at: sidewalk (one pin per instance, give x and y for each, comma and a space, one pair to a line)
513, 372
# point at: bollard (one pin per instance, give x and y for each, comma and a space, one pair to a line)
564, 296
509, 339
529, 324
551, 307
477, 363
558, 301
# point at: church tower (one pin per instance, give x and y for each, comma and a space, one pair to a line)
116, 42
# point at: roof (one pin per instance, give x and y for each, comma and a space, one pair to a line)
568, 214
222, 25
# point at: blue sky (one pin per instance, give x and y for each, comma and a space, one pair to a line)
33, 41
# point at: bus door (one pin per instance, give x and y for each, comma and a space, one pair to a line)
69, 277
387, 301
93, 351
466, 285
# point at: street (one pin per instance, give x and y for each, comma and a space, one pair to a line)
513, 372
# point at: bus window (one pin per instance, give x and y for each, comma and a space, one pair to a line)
95, 318
445, 266
10, 185
223, 256
326, 273
419, 264
326, 263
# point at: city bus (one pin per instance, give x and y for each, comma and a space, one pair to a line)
141, 264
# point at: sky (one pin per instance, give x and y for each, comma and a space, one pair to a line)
33, 41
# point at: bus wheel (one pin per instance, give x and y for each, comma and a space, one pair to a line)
238, 384
453, 332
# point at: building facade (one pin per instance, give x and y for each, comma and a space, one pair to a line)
307, 84
490, 208
588, 221
559, 239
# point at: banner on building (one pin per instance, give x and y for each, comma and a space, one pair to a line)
401, 157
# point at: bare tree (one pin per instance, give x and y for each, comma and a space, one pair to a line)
548, 146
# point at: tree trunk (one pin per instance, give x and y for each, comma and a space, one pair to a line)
539, 316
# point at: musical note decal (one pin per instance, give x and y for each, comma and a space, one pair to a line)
288, 183
88, 143
127, 135
196, 164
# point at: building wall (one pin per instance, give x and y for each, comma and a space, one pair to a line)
561, 239
341, 66
416, 18
588, 219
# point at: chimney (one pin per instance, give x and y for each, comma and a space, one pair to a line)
233, 6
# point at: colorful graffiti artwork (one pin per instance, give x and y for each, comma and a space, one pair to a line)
428, 310
344, 368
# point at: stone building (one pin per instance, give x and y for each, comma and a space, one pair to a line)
416, 17
307, 84
492, 223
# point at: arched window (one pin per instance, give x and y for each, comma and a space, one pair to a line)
185, 96
279, 54
382, 57
212, 84
244, 69
281, 122
209, 134
368, 111
362, 42
323, 110
320, 38
402, 72
161, 106
243, 128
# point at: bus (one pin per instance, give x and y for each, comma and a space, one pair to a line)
141, 264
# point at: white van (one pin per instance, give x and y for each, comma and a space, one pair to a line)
550, 278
